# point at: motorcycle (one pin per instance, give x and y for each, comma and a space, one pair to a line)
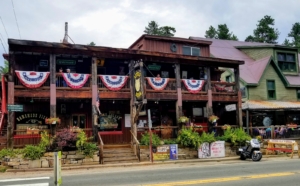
251, 150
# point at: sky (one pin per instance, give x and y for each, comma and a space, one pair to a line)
118, 23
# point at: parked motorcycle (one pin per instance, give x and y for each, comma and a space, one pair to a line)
251, 150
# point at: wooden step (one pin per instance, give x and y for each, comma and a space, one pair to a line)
121, 159
109, 155
117, 150
108, 146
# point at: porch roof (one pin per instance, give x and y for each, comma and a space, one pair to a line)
266, 105
16, 45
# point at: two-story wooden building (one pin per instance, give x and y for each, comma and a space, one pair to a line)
178, 78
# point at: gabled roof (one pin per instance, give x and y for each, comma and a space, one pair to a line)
252, 70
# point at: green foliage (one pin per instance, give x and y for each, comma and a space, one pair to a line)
4, 69
65, 139
221, 33
89, 149
81, 139
189, 138
154, 29
10, 152
207, 137
3, 168
45, 140
146, 139
92, 43
33, 152
170, 141
235, 136
264, 33
295, 35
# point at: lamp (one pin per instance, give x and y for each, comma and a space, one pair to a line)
113, 101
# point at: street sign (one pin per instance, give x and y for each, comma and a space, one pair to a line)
15, 108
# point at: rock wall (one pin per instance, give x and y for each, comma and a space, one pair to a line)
68, 158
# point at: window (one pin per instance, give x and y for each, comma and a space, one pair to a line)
191, 51
228, 79
286, 62
298, 94
243, 92
271, 89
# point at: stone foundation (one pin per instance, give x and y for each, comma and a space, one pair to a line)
68, 158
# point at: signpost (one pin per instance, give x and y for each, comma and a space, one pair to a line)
150, 133
57, 168
15, 108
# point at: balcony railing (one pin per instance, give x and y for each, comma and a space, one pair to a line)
171, 86
203, 89
102, 87
20, 85
60, 82
223, 87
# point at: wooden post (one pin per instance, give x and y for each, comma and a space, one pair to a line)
247, 120
209, 93
179, 93
11, 100
239, 101
94, 96
52, 65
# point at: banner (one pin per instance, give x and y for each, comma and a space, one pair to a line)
31, 79
157, 83
113, 82
213, 150
75, 80
192, 85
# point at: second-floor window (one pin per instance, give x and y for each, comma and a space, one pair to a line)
286, 61
191, 51
228, 79
298, 94
271, 89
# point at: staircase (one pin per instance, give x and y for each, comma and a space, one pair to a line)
114, 154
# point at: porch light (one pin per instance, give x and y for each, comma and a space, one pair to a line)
113, 101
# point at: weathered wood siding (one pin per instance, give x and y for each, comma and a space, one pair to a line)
282, 93
164, 46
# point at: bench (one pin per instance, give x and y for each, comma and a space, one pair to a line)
291, 143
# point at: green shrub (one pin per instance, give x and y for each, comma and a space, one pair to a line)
33, 152
188, 138
45, 140
81, 140
89, 149
170, 141
146, 139
207, 137
10, 152
235, 136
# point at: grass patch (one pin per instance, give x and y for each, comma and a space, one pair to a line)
3, 168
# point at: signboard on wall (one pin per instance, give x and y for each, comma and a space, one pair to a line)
213, 150
15, 108
161, 152
30, 118
66, 62
43, 63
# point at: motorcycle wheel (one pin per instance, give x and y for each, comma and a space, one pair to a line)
256, 157
242, 157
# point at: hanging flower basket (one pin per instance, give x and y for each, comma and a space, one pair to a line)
52, 121
226, 126
183, 119
213, 118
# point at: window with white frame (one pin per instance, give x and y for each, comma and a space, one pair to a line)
191, 51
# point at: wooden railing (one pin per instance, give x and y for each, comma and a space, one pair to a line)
101, 146
137, 146
203, 90
20, 85
274, 132
102, 87
223, 87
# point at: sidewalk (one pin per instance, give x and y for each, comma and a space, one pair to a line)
96, 166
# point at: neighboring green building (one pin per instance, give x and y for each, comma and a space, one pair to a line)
269, 80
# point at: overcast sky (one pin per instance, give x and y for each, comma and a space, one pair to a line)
118, 23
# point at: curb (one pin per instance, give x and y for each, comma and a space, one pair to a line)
95, 166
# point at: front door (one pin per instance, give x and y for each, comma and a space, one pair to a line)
79, 120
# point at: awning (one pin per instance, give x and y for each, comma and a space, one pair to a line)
266, 105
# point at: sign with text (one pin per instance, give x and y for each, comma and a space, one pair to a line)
15, 108
213, 150
174, 152
161, 152
65, 62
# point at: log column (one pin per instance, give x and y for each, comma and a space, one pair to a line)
239, 119
94, 97
52, 89
209, 93
179, 92
11, 100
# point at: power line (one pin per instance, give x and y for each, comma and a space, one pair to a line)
3, 46
4, 27
16, 17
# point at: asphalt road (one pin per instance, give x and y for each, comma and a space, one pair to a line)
275, 172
